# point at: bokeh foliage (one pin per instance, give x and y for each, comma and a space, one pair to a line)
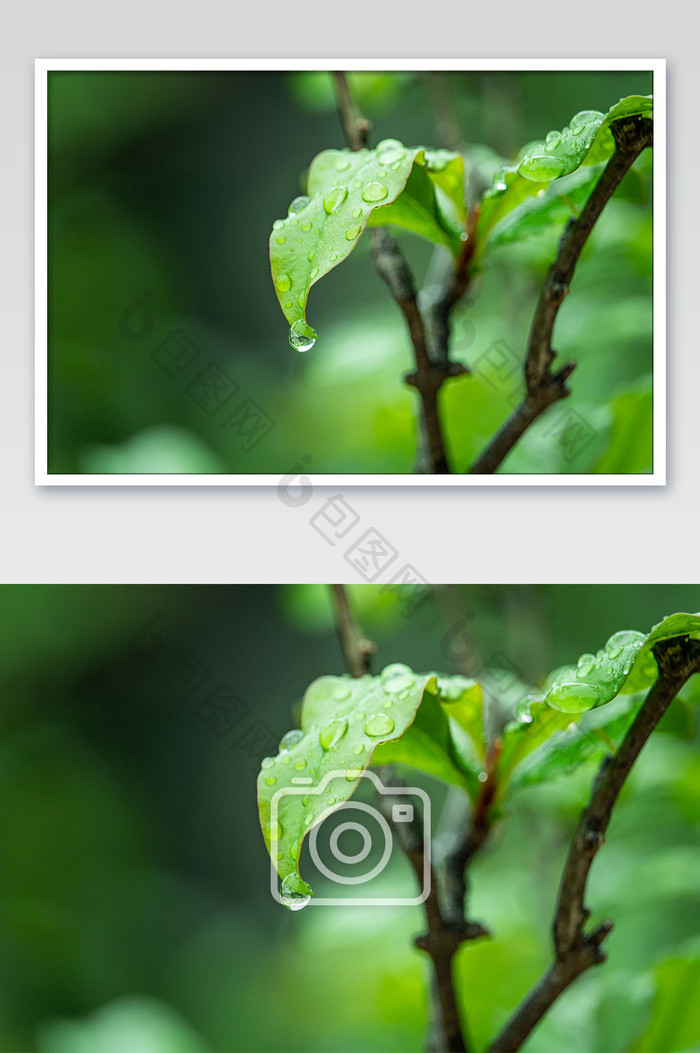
167, 183
135, 910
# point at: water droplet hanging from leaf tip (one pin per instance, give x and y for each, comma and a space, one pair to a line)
301, 336
292, 897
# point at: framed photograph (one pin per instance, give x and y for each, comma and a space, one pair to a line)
370, 272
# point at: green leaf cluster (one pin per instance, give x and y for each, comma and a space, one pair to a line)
443, 726
422, 191
530, 185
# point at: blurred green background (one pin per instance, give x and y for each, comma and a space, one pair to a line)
135, 911
163, 187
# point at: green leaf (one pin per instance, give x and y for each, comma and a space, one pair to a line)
134, 1022
631, 444
675, 1018
343, 721
544, 743
587, 140
429, 746
558, 202
419, 211
625, 663
644, 671
585, 707
346, 191
462, 702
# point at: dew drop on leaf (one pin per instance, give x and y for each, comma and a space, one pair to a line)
283, 282
390, 151
306, 226
397, 677
379, 724
585, 664
270, 780
542, 167
330, 736
352, 232
342, 163
280, 239
334, 199
619, 642
374, 192
298, 204
552, 140
573, 697
356, 213
582, 120
299, 764
292, 896
359, 748
273, 831
301, 336
291, 739
341, 693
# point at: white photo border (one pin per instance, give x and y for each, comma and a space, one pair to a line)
43, 67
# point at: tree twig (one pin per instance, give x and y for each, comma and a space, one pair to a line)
357, 651
429, 375
575, 950
447, 927
543, 386
355, 127
432, 369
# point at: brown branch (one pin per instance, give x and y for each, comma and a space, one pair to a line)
431, 370
357, 651
429, 376
447, 927
355, 127
575, 950
544, 387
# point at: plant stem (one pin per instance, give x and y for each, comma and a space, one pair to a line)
575, 950
543, 387
446, 926
357, 651
431, 371
444, 905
